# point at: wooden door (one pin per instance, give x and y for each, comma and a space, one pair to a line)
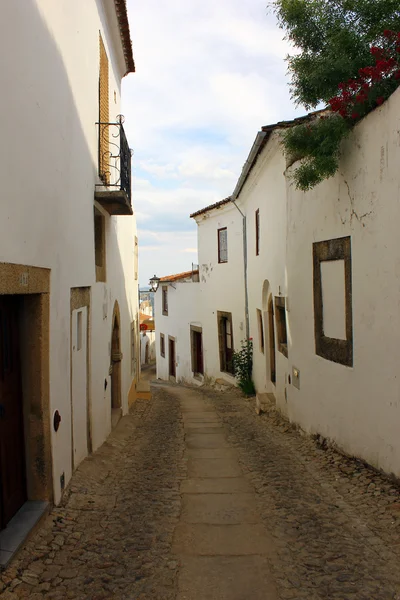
271, 326
12, 446
198, 366
171, 354
228, 344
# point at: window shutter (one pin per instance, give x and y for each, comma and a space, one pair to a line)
104, 116
223, 245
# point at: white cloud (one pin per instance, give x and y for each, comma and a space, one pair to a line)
209, 75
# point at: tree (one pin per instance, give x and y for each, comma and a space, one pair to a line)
334, 38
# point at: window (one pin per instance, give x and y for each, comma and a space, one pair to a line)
165, 300
104, 116
133, 348
99, 245
162, 345
79, 331
196, 336
333, 310
225, 335
257, 232
260, 329
223, 245
280, 315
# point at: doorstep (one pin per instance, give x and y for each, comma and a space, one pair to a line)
18, 529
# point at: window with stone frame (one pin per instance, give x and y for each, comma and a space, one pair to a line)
162, 345
281, 328
223, 245
164, 292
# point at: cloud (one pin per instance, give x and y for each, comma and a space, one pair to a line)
208, 76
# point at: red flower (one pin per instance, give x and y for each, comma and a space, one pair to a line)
388, 33
380, 100
355, 115
397, 75
375, 51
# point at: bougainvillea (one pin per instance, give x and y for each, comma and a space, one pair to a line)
318, 143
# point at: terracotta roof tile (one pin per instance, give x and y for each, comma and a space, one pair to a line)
211, 207
179, 276
122, 14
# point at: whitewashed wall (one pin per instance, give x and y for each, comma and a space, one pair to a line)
222, 285
184, 310
359, 407
48, 170
265, 190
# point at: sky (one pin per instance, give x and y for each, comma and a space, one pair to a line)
209, 75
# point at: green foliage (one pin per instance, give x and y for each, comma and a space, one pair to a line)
243, 367
318, 144
334, 38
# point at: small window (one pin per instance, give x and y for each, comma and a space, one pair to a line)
223, 245
260, 330
79, 331
257, 232
280, 315
165, 300
162, 345
99, 245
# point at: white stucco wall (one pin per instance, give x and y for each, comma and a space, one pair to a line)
184, 310
265, 190
222, 285
359, 406
49, 169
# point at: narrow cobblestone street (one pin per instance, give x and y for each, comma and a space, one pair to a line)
195, 497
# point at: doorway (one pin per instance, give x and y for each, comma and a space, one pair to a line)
269, 336
79, 387
172, 357
225, 335
197, 350
12, 445
116, 358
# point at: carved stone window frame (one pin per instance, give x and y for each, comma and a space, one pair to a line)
336, 350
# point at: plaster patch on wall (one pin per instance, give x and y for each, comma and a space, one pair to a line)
334, 300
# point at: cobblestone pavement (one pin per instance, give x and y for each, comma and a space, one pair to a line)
111, 537
333, 524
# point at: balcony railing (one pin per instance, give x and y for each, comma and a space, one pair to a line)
114, 191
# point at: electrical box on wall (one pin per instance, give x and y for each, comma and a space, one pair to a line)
296, 377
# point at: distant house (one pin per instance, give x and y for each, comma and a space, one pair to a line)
68, 249
313, 278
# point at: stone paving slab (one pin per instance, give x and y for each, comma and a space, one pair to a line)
225, 578
206, 429
190, 425
200, 416
210, 453
225, 540
206, 440
225, 485
219, 509
213, 467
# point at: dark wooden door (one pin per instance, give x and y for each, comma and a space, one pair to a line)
12, 447
171, 354
198, 352
228, 344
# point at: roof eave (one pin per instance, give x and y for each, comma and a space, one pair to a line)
123, 23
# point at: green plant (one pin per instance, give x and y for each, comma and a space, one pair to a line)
243, 367
334, 38
318, 144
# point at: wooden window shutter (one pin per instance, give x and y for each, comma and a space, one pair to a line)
104, 116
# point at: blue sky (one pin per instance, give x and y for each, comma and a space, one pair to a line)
208, 75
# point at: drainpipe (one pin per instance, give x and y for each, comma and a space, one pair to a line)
246, 296
254, 152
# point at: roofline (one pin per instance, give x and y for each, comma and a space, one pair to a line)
123, 23
211, 207
261, 141
178, 276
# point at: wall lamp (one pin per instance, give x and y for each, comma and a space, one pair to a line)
154, 283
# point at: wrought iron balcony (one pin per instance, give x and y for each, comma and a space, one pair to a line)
114, 191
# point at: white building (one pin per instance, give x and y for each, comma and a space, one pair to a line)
322, 288
68, 250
